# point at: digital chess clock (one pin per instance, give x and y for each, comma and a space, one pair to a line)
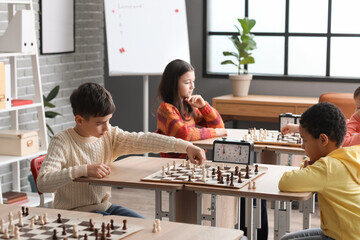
287, 118
233, 151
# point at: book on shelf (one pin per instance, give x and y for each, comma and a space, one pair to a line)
19, 102
14, 197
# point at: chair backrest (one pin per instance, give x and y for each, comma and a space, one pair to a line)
344, 101
35, 168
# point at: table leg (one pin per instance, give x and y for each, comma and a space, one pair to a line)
307, 207
249, 217
208, 217
282, 215
159, 213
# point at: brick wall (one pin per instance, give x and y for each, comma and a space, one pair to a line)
67, 70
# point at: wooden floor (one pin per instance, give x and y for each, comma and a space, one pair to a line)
143, 202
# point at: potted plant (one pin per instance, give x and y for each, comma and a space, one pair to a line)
47, 103
244, 44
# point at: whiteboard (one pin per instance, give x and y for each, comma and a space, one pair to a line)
143, 36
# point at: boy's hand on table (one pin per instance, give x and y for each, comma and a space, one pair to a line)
98, 170
196, 154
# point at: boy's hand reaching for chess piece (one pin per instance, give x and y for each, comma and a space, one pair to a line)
98, 170
290, 128
196, 154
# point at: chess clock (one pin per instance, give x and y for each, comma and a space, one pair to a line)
287, 118
233, 151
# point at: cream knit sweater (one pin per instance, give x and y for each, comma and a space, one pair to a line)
69, 154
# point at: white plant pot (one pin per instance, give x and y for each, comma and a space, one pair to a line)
240, 84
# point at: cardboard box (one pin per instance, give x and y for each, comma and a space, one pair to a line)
18, 142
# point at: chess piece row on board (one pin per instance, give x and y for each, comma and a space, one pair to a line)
273, 137
210, 174
45, 227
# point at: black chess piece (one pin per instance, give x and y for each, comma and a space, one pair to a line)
232, 182
228, 178
59, 219
124, 226
85, 237
64, 230
23, 211
239, 180
96, 233
108, 234
189, 179
112, 224
213, 172
236, 170
256, 168
54, 235
26, 211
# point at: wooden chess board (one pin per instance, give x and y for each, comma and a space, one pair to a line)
46, 231
181, 174
273, 138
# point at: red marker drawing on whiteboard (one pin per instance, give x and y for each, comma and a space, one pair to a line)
176, 10
122, 50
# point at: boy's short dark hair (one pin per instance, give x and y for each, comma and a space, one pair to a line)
357, 92
91, 100
325, 118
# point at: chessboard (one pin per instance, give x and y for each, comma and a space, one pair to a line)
270, 137
52, 227
210, 174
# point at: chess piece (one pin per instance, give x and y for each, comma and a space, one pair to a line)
247, 172
64, 230
239, 180
41, 221
203, 177
188, 165
59, 218
96, 233
26, 212
174, 165
23, 210
103, 236
154, 230
232, 182
11, 229
168, 169
236, 170
6, 234
91, 224
253, 186
213, 172
54, 235
158, 225
163, 171
31, 223
221, 180
20, 224
189, 179
250, 185
207, 173
184, 163
75, 231
124, 226
103, 227
16, 233
45, 218
85, 237
222, 166
256, 168
112, 224
227, 178
108, 234
36, 218
193, 173
10, 218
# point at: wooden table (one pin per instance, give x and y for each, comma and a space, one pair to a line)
262, 108
169, 230
128, 172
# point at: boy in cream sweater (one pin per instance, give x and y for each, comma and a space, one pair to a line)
332, 172
87, 150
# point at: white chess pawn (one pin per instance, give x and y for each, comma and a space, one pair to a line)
75, 231
11, 229
41, 220
45, 218
163, 171
20, 222
184, 163
207, 173
203, 177
188, 165
32, 223
168, 169
2, 226
250, 185
253, 186
6, 234
222, 166
16, 233
158, 225
193, 174
36, 219
174, 165
154, 228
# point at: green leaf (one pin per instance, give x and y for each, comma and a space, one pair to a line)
251, 23
53, 93
227, 62
231, 54
50, 129
48, 104
51, 114
247, 60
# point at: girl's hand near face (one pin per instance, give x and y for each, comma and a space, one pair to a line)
196, 101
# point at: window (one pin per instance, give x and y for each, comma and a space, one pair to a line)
296, 39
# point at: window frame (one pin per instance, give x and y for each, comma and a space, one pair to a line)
286, 35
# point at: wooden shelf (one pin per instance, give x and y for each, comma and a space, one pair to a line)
26, 106
16, 1
34, 199
15, 54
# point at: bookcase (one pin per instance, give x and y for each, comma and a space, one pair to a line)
20, 41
